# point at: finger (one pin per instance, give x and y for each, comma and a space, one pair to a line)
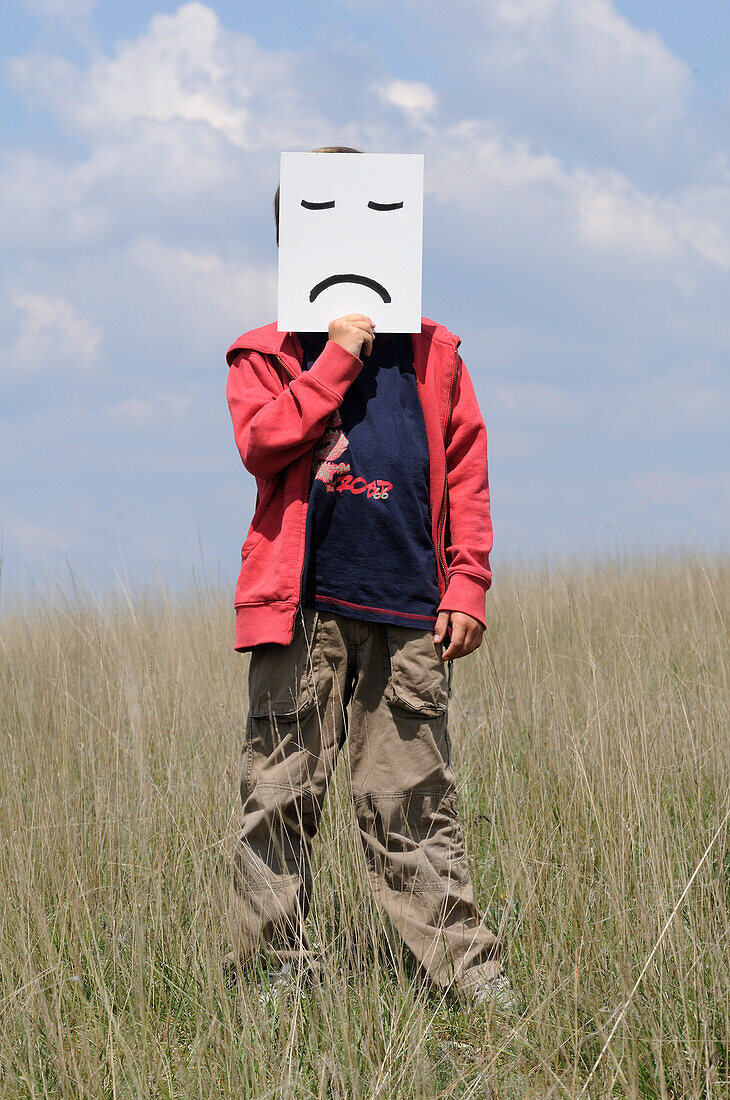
458, 636
359, 320
442, 623
367, 344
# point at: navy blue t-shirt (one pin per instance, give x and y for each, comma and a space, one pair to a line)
369, 548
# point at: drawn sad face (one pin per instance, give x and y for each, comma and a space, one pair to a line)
350, 230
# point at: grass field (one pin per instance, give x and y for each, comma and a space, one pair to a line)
591, 741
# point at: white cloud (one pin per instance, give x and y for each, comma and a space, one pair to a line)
614, 215
53, 334
598, 41
222, 295
44, 203
473, 155
184, 68
174, 71
567, 66
172, 114
415, 99
502, 182
179, 122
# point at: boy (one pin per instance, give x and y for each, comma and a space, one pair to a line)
364, 572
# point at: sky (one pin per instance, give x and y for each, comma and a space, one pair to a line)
576, 238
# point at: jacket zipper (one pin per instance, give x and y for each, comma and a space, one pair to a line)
444, 503
283, 365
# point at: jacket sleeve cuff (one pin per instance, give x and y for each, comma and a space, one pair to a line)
336, 369
467, 594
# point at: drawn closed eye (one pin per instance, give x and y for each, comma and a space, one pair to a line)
384, 205
318, 205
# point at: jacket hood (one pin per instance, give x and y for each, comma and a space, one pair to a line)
269, 341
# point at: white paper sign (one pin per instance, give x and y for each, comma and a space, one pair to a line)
350, 239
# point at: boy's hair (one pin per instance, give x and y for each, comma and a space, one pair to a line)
324, 149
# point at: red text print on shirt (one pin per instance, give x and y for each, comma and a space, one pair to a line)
378, 490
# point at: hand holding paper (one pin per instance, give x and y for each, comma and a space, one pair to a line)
354, 332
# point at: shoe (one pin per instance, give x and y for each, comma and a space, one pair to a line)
277, 986
273, 985
497, 991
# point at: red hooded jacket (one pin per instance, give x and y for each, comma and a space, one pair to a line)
279, 413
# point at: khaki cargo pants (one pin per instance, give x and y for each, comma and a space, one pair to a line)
403, 790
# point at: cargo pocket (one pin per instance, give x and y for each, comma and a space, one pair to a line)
282, 678
417, 675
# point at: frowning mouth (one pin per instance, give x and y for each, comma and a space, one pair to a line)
362, 280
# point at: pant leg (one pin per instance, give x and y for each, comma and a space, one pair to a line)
291, 744
406, 806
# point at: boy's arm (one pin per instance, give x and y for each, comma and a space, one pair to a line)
273, 423
470, 524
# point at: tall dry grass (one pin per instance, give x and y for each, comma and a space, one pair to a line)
590, 736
